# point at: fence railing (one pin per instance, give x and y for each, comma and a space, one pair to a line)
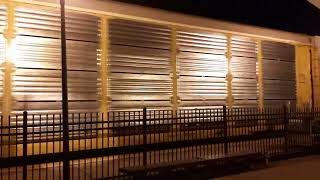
100, 144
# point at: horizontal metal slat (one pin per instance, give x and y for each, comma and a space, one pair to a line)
245, 103
243, 67
45, 22
279, 89
243, 47
3, 18
279, 77
201, 88
202, 67
38, 75
139, 65
139, 105
37, 52
245, 88
280, 103
244, 72
279, 70
278, 51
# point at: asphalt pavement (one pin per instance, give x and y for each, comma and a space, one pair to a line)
304, 168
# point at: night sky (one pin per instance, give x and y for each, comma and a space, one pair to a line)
289, 15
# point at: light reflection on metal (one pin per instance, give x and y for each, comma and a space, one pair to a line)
279, 75
139, 65
37, 80
140, 56
202, 69
8, 66
244, 72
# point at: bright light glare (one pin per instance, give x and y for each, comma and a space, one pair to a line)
11, 52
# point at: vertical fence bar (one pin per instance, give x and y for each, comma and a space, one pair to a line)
144, 158
25, 144
286, 124
225, 132
311, 123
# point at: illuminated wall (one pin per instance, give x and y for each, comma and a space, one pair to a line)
139, 63
37, 79
279, 73
244, 70
202, 69
212, 69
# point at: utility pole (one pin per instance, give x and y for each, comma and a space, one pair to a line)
65, 108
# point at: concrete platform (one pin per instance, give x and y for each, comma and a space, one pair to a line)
306, 168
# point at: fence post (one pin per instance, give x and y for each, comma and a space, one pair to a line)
286, 123
144, 136
311, 124
25, 144
225, 130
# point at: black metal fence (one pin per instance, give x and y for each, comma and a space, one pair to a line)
31, 146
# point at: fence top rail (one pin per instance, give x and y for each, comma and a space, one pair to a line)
165, 112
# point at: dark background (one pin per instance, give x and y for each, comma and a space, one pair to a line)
289, 15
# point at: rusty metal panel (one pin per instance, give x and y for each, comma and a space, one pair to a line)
244, 71
139, 62
37, 80
279, 78
202, 68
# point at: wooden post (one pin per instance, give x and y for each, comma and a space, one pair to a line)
104, 67
174, 76
8, 66
229, 73
260, 74
303, 76
316, 71
8, 69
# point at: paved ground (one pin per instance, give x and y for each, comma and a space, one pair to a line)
307, 168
